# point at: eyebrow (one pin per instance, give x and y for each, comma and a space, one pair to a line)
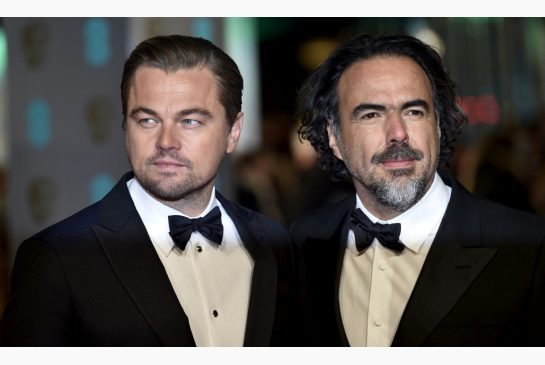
142, 110
180, 114
379, 107
199, 111
417, 102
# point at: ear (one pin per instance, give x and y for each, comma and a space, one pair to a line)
333, 141
234, 133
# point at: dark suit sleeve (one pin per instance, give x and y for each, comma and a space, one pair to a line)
536, 333
285, 329
39, 308
302, 318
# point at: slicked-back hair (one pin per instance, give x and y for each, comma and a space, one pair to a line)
318, 103
174, 52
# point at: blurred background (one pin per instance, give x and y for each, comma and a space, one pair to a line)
61, 142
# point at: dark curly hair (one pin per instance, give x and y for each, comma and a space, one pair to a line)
317, 101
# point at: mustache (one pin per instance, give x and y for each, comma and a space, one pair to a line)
171, 155
397, 151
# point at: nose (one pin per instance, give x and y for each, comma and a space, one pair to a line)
168, 137
396, 129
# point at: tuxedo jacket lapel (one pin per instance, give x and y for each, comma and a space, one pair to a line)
455, 259
127, 246
261, 308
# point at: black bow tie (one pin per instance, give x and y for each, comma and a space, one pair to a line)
209, 226
365, 232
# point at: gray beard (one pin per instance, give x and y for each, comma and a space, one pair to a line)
397, 194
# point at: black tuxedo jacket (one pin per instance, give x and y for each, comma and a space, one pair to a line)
95, 279
482, 284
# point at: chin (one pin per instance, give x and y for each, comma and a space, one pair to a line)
396, 173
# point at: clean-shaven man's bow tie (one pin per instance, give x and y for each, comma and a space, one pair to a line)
365, 232
209, 226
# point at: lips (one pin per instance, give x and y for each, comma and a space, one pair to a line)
397, 160
398, 163
167, 163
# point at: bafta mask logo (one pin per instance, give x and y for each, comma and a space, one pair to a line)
34, 39
41, 194
96, 36
100, 116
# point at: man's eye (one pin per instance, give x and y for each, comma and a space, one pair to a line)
370, 115
147, 122
415, 113
190, 122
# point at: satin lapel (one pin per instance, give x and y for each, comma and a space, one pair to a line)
455, 259
127, 246
261, 307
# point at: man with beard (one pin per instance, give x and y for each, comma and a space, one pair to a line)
163, 259
413, 259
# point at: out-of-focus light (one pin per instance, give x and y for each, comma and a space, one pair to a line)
3, 53
3, 101
482, 109
314, 51
241, 43
204, 28
420, 29
39, 130
431, 38
100, 185
534, 37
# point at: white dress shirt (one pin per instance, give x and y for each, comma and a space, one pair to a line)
376, 284
211, 282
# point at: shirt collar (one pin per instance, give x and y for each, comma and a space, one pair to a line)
155, 214
418, 222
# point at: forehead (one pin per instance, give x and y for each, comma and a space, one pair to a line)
192, 83
384, 79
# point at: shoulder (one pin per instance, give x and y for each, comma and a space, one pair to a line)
498, 219
322, 220
257, 222
112, 210
40, 256
69, 229
496, 222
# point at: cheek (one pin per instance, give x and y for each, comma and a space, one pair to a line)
426, 140
434, 142
129, 145
136, 147
359, 154
367, 147
367, 141
204, 150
